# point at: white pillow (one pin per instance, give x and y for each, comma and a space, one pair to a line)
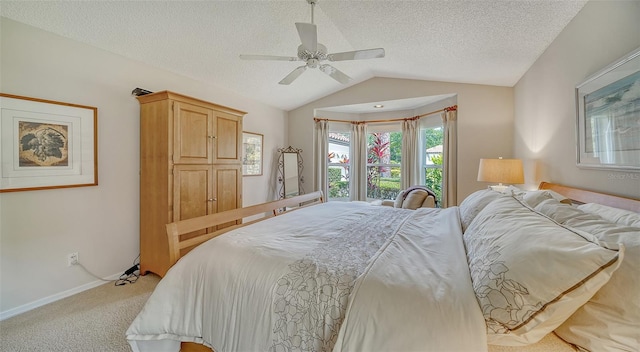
533, 198
618, 216
529, 273
474, 203
561, 212
610, 320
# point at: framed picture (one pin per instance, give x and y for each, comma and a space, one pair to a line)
46, 144
251, 154
608, 116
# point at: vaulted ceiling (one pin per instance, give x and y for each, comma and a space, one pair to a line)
469, 41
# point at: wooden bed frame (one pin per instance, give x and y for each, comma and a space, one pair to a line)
581, 196
179, 247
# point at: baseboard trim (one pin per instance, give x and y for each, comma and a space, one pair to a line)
58, 296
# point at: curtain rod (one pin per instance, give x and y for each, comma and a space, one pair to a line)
449, 108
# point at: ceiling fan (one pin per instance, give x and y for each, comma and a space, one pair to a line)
313, 53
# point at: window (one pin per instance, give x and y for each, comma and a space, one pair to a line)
338, 165
384, 156
384, 160
432, 139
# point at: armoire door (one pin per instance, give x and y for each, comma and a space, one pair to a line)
228, 142
227, 189
192, 191
193, 134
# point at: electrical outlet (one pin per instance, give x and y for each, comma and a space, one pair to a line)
72, 259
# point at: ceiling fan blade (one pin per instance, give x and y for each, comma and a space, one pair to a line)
308, 33
357, 55
268, 57
335, 73
293, 75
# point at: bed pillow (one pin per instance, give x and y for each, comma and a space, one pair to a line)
530, 273
533, 198
618, 216
561, 212
474, 203
610, 320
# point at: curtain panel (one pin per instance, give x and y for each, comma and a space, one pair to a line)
358, 163
450, 157
410, 165
321, 146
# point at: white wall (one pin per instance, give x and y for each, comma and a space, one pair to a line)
485, 121
39, 228
545, 113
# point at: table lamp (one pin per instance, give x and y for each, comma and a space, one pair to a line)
501, 171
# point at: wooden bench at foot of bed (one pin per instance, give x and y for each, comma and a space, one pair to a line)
210, 223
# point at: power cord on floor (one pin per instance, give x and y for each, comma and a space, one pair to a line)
90, 273
130, 275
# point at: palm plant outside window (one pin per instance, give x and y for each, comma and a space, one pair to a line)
384, 157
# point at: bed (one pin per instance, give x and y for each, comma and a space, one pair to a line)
316, 276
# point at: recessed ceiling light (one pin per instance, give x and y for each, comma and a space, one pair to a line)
378, 106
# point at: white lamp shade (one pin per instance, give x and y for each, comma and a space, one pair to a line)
501, 170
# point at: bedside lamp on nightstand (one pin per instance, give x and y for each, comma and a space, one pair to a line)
502, 171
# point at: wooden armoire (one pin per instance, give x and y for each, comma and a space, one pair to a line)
190, 165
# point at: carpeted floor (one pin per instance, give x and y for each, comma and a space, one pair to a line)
91, 321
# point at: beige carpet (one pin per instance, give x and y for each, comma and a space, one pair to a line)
91, 321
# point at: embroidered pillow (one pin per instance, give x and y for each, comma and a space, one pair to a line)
530, 273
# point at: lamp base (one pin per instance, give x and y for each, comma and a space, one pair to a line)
499, 188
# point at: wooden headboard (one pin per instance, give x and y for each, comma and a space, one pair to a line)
583, 196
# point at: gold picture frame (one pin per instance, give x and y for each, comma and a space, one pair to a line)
46, 144
252, 153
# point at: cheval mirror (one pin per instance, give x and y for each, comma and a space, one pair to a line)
290, 172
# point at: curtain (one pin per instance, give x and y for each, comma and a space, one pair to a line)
322, 152
450, 157
358, 163
410, 165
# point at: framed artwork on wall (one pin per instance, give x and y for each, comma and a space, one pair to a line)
46, 144
608, 116
252, 154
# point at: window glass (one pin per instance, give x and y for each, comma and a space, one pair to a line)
432, 139
384, 154
384, 159
338, 165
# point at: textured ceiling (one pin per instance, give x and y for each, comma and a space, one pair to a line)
481, 42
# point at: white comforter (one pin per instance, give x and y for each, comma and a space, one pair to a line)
335, 276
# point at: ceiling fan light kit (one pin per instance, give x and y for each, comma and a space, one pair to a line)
313, 53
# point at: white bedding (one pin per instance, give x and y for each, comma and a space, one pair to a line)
398, 278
